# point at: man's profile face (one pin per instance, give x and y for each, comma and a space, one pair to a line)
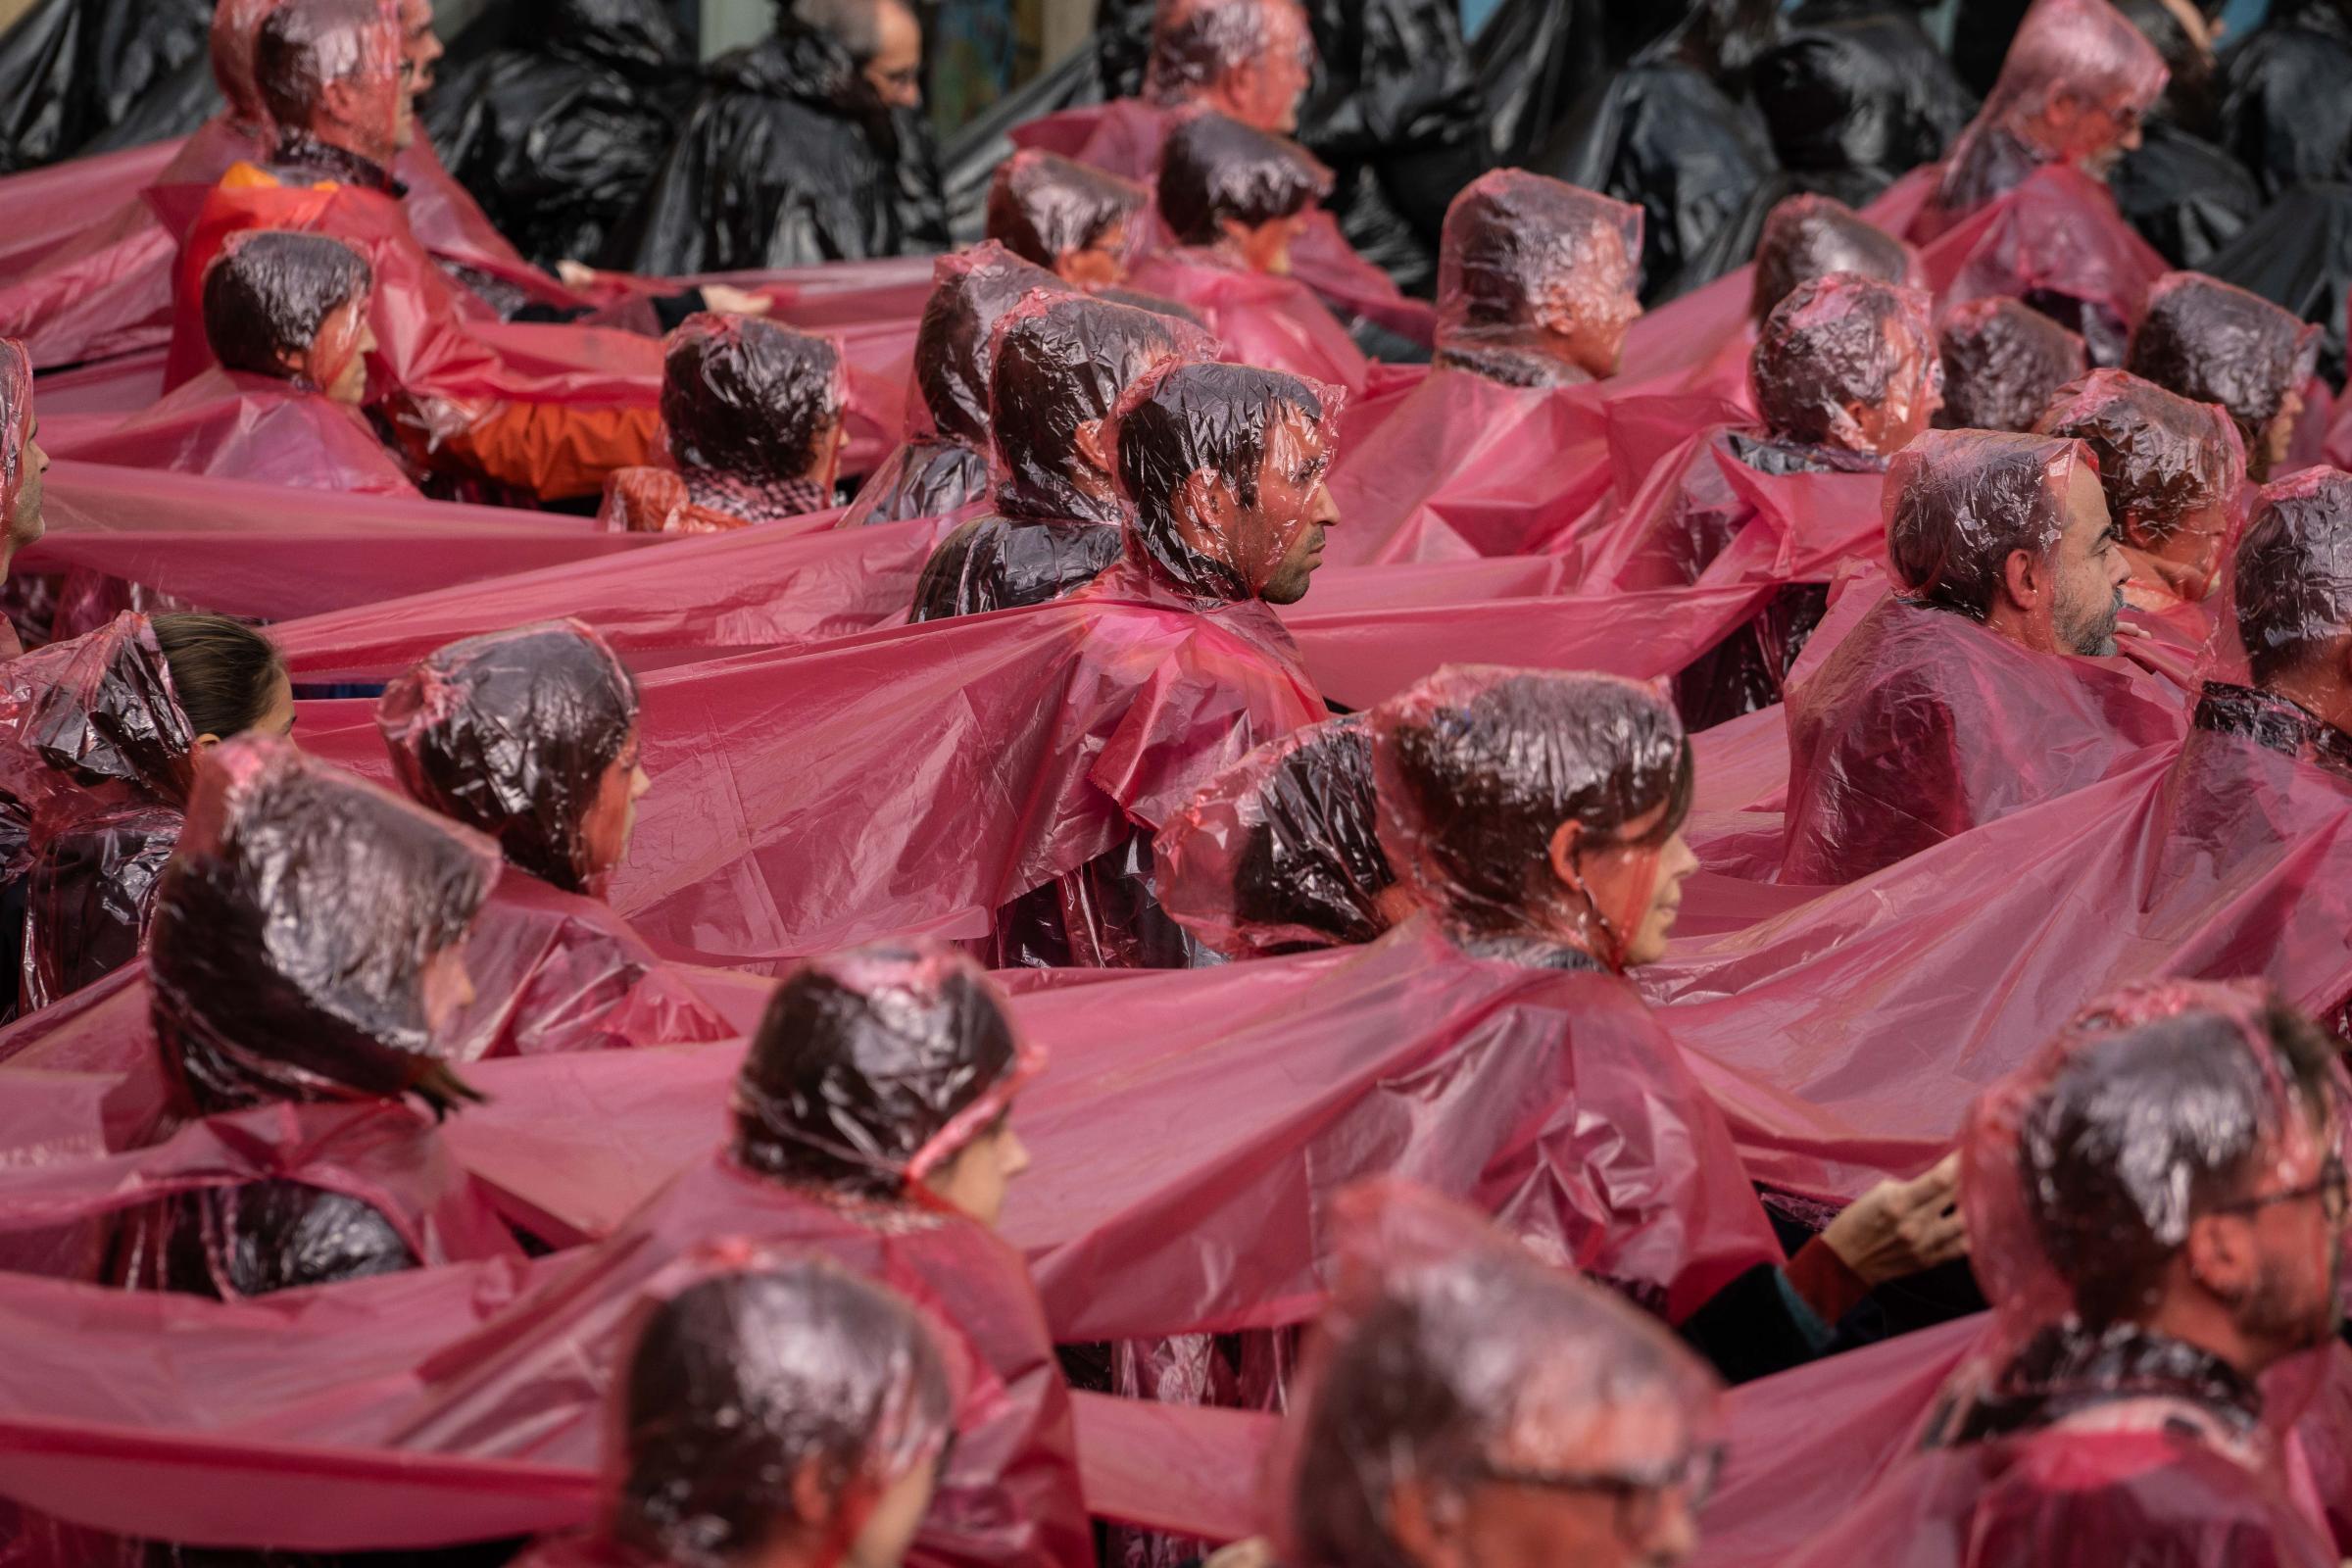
2089, 570
1913, 395
1295, 508
896, 72
1265, 248
1586, 312
419, 44
1264, 92
2295, 1304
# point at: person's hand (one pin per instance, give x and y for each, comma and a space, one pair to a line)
575, 274
735, 300
1256, 1552
1902, 1228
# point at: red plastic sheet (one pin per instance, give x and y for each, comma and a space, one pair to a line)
227, 425
1275, 323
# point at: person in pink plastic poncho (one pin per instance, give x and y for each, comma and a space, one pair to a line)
1536, 281
287, 316
1811, 236
2159, 1198
755, 414
2217, 344
532, 737
870, 1126
1966, 694
1080, 223
776, 1413
1467, 1402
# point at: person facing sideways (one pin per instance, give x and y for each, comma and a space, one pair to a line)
805, 148
941, 470
755, 414
2003, 362
1537, 818
23, 464
870, 1126
776, 1413
2073, 89
532, 737
285, 314
2213, 343
1061, 364
2159, 1201
1468, 1402
1536, 281
2293, 599
1807, 237
120, 718
1236, 193
307, 947
1080, 223
1249, 60
1945, 708
2172, 469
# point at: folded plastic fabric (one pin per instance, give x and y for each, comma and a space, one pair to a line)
325, 552
1276, 322
232, 424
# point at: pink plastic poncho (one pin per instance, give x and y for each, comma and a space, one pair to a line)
2003, 362
1259, 318
224, 424
1924, 724
1536, 281
872, 1071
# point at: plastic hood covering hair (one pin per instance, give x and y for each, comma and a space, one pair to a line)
1811, 236
747, 399
95, 719
744, 1385
874, 1068
997, 564
1533, 265
301, 49
1063, 362
2294, 569
1476, 768
1217, 171
268, 295
954, 349
2217, 344
235, 23
292, 933
1042, 206
2162, 458
2002, 363
1849, 362
1958, 502
2081, 49
1264, 440
1280, 852
1197, 44
1450, 1354
89, 895
16, 425
513, 734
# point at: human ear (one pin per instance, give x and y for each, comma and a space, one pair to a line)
1205, 508
1566, 839
2221, 1255
2022, 578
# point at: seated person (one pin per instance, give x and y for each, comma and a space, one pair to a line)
936, 472
1537, 818
2077, 81
1461, 1391
753, 414
2293, 581
122, 716
530, 737
2003, 362
1222, 468
306, 948
287, 316
1280, 852
2213, 343
1062, 363
1250, 60
789, 1415
1536, 281
2159, 1202
1078, 222
870, 1127
1957, 699
2172, 469
1811, 236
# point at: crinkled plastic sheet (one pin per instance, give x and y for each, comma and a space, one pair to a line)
227, 425
2003, 360
1536, 269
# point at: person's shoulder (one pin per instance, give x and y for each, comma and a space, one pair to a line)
2160, 1493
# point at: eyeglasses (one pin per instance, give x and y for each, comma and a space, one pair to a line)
2334, 1189
1641, 1499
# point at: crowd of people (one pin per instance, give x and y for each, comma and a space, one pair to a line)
699, 881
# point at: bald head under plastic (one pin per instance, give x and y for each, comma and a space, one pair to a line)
1849, 362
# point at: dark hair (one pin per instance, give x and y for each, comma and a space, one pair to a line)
1809, 236
2003, 360
1836, 339
1963, 501
304, 45
1163, 439
223, 672
1313, 861
1216, 168
749, 398
269, 292
1482, 784
742, 1383
2294, 573
1042, 205
2214, 343
2161, 455
1060, 364
2139, 1132
955, 345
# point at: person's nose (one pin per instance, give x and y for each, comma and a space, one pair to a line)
1675, 1536
1323, 510
1016, 1154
